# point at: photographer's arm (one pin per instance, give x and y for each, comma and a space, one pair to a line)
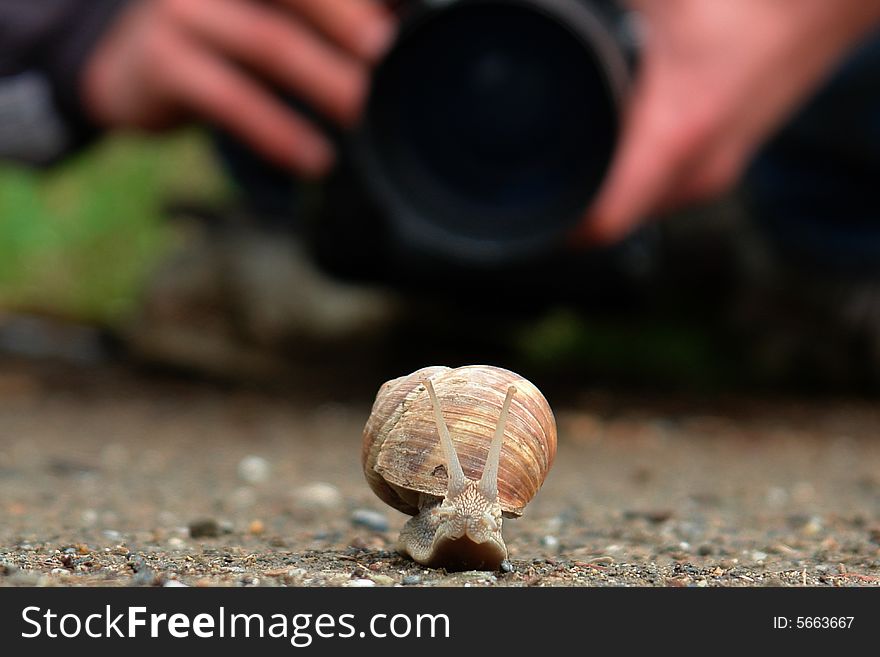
166, 61
717, 78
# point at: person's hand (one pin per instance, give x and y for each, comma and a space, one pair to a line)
717, 77
167, 61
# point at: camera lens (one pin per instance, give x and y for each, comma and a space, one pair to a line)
490, 125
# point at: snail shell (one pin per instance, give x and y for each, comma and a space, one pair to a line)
404, 459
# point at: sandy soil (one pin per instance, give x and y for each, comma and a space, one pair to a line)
110, 476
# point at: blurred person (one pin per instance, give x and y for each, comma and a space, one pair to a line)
715, 81
724, 89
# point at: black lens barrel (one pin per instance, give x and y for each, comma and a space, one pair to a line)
491, 124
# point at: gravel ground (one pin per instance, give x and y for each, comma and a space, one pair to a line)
111, 477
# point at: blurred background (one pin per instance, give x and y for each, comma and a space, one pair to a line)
187, 252
81, 240
143, 250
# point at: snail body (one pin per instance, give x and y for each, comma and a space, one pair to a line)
458, 449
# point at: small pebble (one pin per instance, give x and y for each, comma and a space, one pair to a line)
254, 469
360, 583
174, 583
317, 496
550, 542
382, 580
256, 527
137, 563
369, 519
243, 497
145, 577
7, 568
813, 526
412, 580
506, 566
757, 555
373, 541
204, 528
653, 516
143, 574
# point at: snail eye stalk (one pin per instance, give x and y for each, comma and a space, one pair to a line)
457, 480
489, 480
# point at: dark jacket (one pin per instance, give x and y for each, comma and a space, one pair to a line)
44, 45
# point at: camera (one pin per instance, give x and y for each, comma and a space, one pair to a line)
488, 129
491, 124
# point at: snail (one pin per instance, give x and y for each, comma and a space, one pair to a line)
458, 449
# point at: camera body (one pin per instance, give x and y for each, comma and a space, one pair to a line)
488, 129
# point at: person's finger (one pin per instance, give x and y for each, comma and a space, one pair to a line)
708, 176
649, 159
212, 88
364, 27
279, 46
